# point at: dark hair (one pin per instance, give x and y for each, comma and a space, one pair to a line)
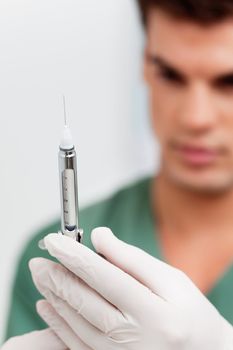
204, 12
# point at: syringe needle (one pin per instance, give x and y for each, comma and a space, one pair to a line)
64, 106
66, 141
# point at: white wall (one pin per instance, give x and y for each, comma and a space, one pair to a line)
91, 51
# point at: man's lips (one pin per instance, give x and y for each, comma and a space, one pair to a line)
197, 156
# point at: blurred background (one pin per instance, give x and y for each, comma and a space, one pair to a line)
91, 51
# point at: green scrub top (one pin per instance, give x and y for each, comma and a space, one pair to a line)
129, 214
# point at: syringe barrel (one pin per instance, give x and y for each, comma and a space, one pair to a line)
69, 193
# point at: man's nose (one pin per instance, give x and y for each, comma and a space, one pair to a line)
197, 113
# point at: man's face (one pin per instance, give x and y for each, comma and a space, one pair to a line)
189, 72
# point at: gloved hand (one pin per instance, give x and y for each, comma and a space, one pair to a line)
132, 301
39, 340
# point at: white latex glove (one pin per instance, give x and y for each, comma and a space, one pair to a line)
132, 301
39, 340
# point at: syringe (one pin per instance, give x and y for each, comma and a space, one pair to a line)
68, 185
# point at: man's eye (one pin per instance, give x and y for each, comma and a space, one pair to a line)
170, 75
226, 82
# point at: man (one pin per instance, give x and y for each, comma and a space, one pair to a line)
182, 216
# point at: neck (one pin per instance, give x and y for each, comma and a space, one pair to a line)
186, 213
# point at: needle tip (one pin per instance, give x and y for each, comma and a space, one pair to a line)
64, 106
